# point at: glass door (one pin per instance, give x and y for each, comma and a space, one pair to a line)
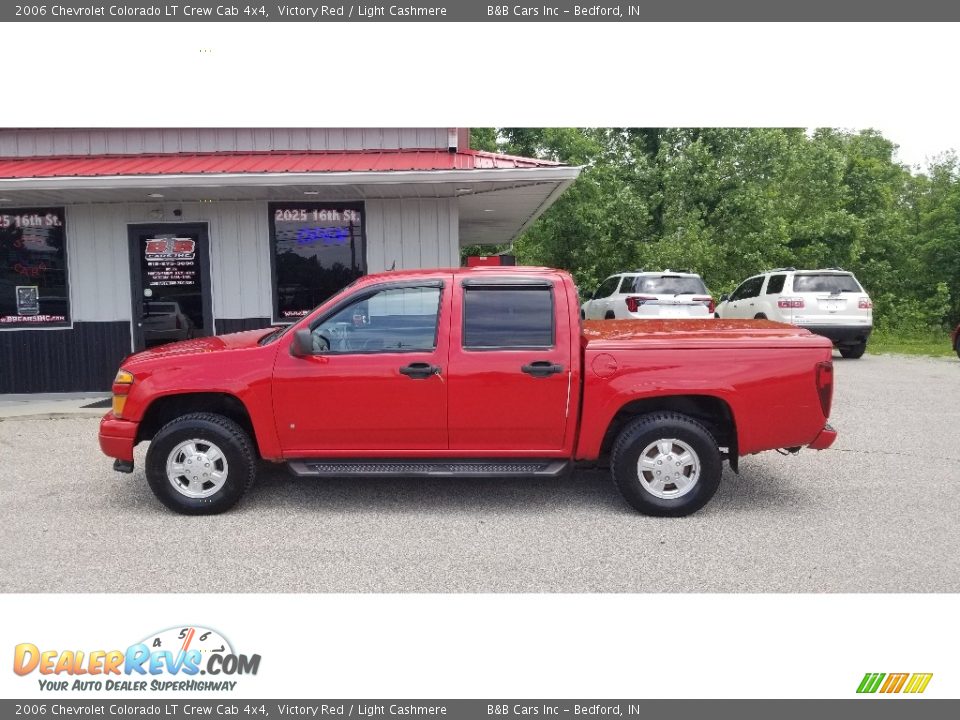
169, 271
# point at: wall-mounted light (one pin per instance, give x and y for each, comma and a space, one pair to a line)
154, 195
311, 192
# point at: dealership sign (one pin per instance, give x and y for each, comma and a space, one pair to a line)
169, 660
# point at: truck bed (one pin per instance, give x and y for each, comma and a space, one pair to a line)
763, 372
689, 334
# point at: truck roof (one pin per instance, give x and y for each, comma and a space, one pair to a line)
478, 270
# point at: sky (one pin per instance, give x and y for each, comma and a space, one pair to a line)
919, 144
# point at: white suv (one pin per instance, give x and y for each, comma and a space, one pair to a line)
827, 302
649, 295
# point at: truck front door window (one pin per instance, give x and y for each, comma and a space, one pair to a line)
391, 320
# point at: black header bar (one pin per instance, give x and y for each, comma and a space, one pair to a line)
463, 11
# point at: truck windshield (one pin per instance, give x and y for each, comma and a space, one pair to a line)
281, 331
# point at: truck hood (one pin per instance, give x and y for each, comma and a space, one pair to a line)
697, 333
197, 346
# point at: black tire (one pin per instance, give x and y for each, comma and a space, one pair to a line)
853, 352
645, 430
716, 316
759, 316
610, 315
240, 462
583, 315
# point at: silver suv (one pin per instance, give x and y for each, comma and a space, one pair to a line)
827, 302
642, 295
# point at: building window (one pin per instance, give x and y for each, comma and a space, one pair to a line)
33, 269
317, 250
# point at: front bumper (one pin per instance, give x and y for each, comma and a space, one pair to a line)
841, 334
117, 437
824, 439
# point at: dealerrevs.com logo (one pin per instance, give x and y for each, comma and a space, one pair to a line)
179, 659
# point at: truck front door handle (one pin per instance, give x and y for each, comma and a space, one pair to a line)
541, 368
419, 371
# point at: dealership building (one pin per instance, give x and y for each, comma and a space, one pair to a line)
113, 240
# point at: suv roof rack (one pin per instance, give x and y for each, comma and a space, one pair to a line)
784, 269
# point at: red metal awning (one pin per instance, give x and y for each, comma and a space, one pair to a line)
261, 162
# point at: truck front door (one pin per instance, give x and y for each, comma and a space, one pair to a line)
375, 381
510, 367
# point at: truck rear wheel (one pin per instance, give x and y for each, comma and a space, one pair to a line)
200, 464
666, 464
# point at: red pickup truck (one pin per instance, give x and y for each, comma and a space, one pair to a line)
470, 372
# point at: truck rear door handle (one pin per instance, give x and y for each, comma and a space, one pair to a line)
541, 368
419, 371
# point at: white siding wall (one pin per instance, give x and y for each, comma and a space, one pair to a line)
99, 262
407, 233
28, 143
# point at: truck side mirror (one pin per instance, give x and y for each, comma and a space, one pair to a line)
302, 344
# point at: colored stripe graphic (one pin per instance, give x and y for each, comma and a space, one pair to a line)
870, 682
918, 683
894, 682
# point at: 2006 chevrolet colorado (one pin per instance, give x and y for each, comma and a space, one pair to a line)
475, 372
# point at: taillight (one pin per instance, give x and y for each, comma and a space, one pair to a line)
121, 388
865, 304
635, 301
825, 386
708, 301
790, 302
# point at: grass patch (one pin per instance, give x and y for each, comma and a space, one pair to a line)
913, 342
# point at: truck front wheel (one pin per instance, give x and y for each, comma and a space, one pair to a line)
200, 464
666, 464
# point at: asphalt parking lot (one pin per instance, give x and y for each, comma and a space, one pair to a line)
877, 513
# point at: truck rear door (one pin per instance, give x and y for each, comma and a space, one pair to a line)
509, 366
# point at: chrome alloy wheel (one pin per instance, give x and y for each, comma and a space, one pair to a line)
197, 468
668, 468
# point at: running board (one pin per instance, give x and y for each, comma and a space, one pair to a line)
428, 468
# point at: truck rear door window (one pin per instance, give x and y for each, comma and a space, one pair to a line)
507, 317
